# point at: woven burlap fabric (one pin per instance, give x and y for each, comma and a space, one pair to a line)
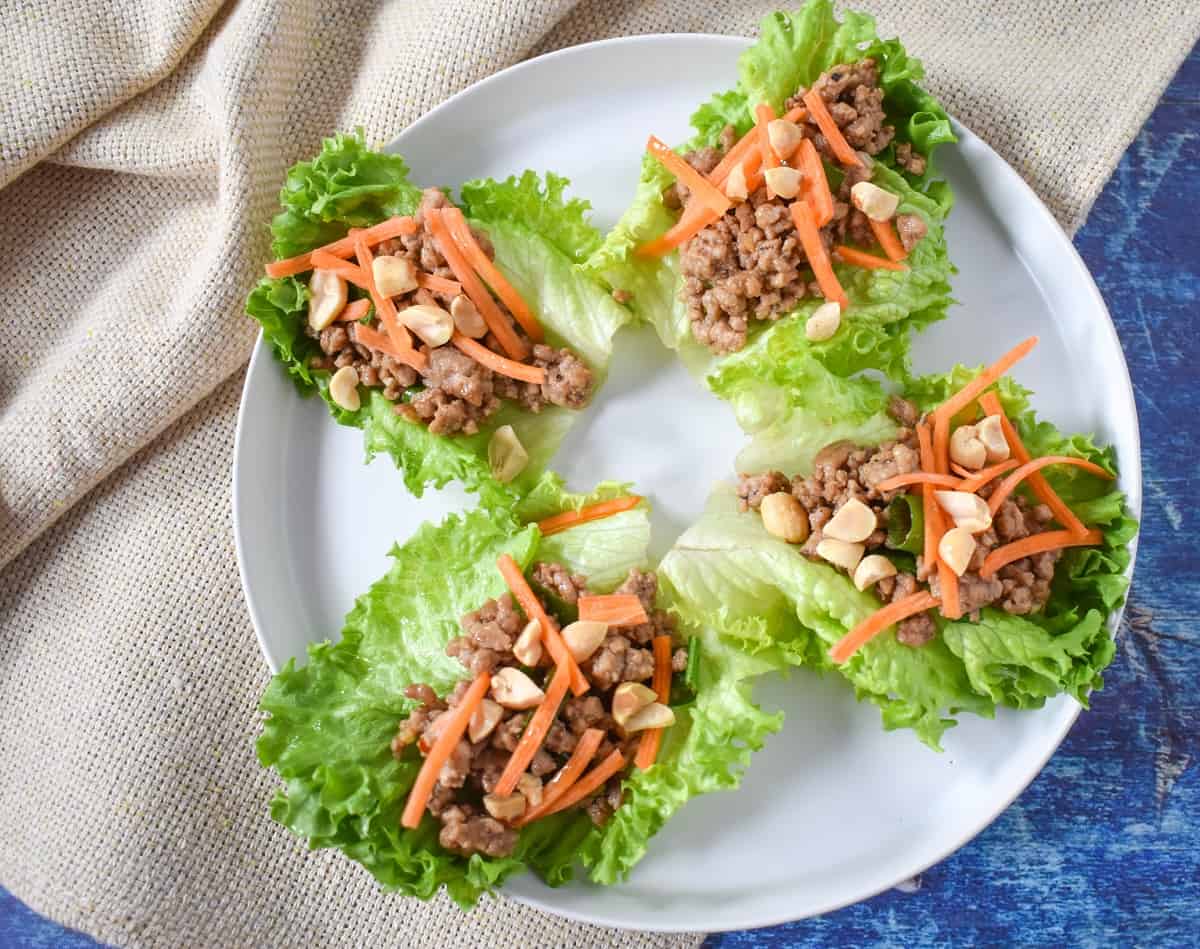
141, 147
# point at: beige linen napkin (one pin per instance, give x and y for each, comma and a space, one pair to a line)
141, 147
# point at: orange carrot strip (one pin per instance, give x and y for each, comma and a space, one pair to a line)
701, 188
386, 309
695, 218
647, 750
550, 635
590, 782
1009, 484
768, 157
497, 363
837, 142
436, 284
496, 321
869, 261
974, 480
739, 153
814, 184
918, 477
889, 240
457, 720
928, 506
375, 234
968, 394
592, 512
880, 620
763, 113
814, 250
323, 260
535, 732
615, 609
972, 390
355, 310
935, 527
1037, 544
567, 775
460, 231
1038, 484
373, 339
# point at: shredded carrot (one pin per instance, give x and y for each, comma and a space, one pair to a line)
837, 141
918, 477
701, 188
354, 311
591, 512
698, 215
928, 506
323, 260
590, 782
496, 321
814, 184
741, 150
385, 309
695, 218
968, 394
497, 363
533, 610
880, 620
869, 261
373, 339
535, 732
1009, 484
1037, 544
1038, 484
436, 284
375, 234
567, 775
972, 390
763, 113
647, 750
818, 257
889, 240
935, 527
460, 231
615, 609
457, 720
974, 480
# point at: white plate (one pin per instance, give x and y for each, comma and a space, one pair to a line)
834, 809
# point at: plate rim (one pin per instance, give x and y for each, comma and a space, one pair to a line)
1130, 479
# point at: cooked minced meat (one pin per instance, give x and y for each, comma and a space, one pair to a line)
474, 768
558, 581
843, 470
456, 393
852, 93
910, 159
749, 265
568, 381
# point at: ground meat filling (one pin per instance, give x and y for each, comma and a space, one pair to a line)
842, 471
749, 265
457, 394
559, 582
474, 768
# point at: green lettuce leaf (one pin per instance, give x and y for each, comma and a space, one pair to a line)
331, 720
886, 306
539, 236
760, 594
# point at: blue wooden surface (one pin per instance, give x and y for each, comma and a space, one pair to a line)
1103, 849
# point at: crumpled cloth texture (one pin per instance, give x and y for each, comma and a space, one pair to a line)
142, 145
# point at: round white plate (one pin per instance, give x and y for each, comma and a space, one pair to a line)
834, 809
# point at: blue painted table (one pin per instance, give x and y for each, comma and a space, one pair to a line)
1104, 846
